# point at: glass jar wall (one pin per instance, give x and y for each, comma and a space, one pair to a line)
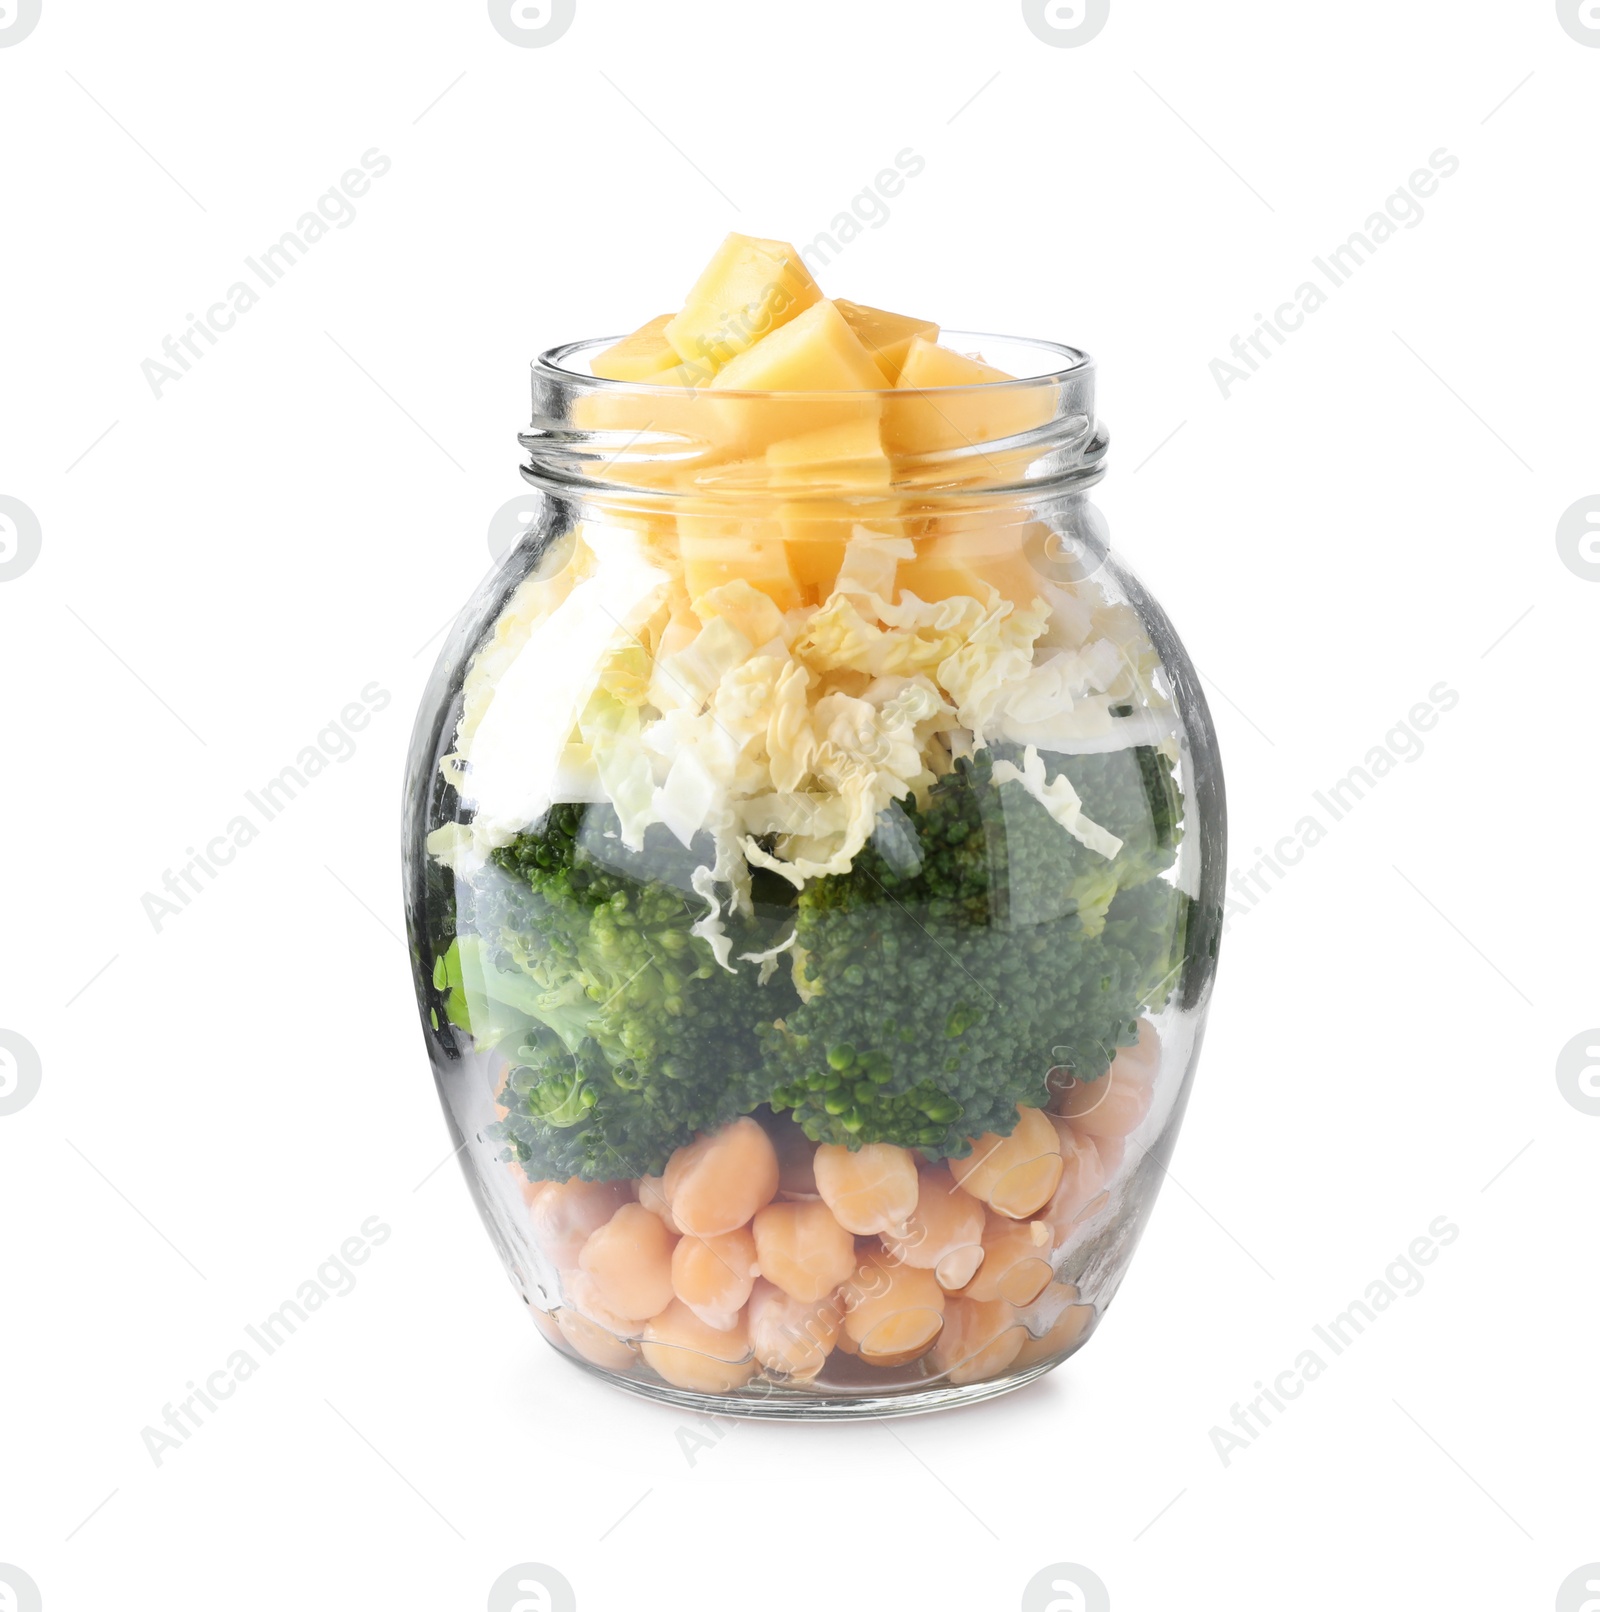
813, 850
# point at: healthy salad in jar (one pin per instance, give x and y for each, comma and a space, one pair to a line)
814, 853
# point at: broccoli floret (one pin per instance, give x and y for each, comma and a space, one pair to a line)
973, 948
940, 997
624, 1035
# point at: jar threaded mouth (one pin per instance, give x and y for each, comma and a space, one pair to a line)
861, 449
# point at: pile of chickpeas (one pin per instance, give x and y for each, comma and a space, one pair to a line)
758, 1251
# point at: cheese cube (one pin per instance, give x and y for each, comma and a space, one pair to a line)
718, 549
887, 336
848, 453
816, 351
750, 288
923, 418
635, 358
848, 457
969, 554
818, 531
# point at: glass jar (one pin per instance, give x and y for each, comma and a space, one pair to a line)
814, 853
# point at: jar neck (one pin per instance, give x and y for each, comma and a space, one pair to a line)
715, 450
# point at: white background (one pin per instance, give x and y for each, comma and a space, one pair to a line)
224, 568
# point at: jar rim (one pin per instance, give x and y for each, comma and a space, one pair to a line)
553, 364
1037, 429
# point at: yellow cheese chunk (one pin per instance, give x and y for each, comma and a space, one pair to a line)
816, 351
639, 356
788, 423
816, 548
887, 336
688, 373
658, 438
749, 288
922, 418
675, 407
719, 549
817, 531
968, 555
846, 457
928, 365
848, 453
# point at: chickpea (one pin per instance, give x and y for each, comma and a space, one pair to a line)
954, 1271
565, 1214
598, 1346
718, 1182
1016, 1262
980, 1339
687, 1353
580, 1293
653, 1195
871, 1190
1014, 1174
714, 1275
790, 1338
629, 1260
803, 1249
944, 1233
892, 1312
1115, 1104
1083, 1179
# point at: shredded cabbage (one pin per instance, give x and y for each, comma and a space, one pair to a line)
1058, 798
524, 713
783, 737
709, 928
768, 959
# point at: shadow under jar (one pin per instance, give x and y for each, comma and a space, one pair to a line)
814, 848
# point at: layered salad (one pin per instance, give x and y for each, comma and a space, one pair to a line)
805, 886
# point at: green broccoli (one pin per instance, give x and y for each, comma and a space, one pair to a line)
624, 1035
972, 948
940, 996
